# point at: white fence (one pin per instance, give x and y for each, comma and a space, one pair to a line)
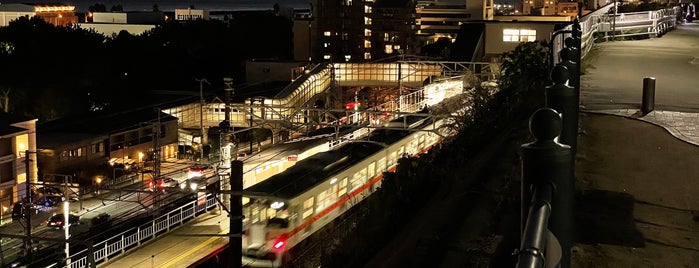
134, 237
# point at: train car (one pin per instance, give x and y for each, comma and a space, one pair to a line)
307, 196
278, 158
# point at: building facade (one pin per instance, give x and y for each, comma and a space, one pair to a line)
438, 19
17, 141
362, 30
56, 14
85, 146
191, 14
111, 23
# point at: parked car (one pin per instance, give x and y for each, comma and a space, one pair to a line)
57, 220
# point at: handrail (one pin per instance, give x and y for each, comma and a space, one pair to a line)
534, 236
654, 23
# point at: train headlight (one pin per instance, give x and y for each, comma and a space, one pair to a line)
183, 185
193, 186
277, 205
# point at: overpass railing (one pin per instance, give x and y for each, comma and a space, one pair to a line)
604, 24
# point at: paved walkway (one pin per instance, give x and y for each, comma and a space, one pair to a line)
682, 125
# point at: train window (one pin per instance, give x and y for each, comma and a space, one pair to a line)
382, 165
326, 198
358, 180
392, 159
371, 170
307, 208
255, 215
401, 151
343, 183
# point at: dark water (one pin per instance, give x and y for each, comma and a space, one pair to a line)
171, 5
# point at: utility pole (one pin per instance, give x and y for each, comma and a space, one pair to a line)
400, 80
156, 148
201, 114
28, 204
235, 241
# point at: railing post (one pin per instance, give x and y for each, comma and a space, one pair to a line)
561, 98
545, 162
138, 236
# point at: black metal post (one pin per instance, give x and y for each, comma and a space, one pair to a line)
235, 241
561, 98
648, 101
28, 203
250, 132
546, 161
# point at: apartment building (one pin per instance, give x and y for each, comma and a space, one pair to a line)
17, 141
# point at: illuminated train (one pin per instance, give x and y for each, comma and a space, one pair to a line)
315, 191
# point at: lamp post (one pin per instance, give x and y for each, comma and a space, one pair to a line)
66, 227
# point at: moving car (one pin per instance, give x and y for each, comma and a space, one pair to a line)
57, 220
162, 183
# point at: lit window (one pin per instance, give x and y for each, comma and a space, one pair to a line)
326, 44
385, 37
347, 2
326, 56
388, 49
367, 9
367, 32
367, 56
308, 207
518, 35
367, 44
327, 33
367, 21
345, 36
396, 47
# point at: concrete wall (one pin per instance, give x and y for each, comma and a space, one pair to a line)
109, 29
7, 16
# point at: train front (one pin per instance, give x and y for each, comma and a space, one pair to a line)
265, 225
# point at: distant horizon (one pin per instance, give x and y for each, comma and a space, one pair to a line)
171, 5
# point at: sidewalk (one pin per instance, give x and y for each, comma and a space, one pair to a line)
638, 178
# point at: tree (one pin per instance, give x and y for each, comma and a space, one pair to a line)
526, 67
117, 8
97, 8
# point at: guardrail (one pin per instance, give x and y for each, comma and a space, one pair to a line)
605, 21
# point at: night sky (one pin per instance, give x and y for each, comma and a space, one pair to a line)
170, 5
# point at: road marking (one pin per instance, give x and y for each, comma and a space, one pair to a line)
190, 251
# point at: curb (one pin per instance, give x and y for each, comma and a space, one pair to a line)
636, 114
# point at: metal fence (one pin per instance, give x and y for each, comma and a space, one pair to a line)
114, 246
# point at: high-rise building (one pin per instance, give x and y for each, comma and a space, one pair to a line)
443, 18
362, 30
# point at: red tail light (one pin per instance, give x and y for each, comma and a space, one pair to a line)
280, 243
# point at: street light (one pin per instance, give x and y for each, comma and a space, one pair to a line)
98, 180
